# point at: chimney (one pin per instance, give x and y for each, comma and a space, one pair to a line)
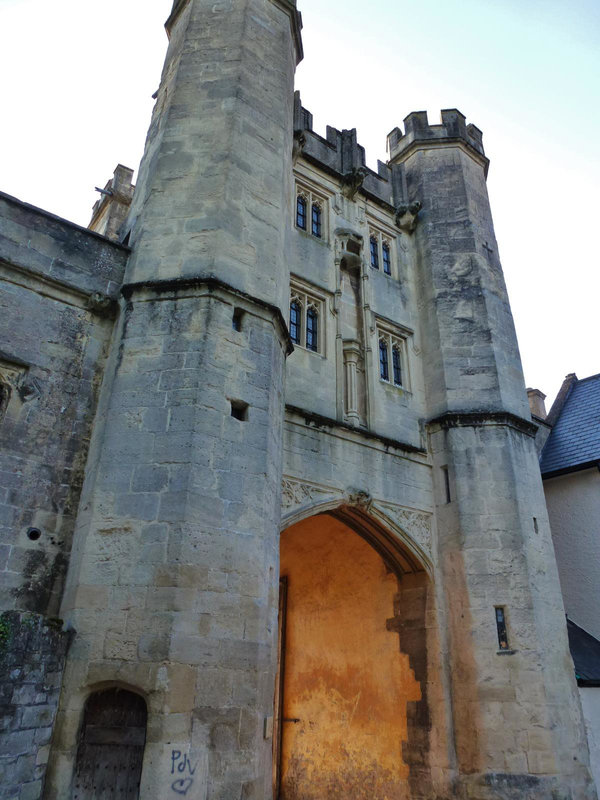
536, 403
110, 212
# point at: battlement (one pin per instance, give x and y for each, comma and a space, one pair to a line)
340, 155
453, 127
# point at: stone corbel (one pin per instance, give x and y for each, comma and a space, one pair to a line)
406, 216
352, 182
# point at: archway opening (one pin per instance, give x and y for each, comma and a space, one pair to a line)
111, 746
347, 690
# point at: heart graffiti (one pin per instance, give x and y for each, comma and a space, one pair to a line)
182, 786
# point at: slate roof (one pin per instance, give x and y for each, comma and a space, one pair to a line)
585, 651
574, 442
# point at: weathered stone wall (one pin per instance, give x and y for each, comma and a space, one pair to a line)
173, 582
32, 655
59, 284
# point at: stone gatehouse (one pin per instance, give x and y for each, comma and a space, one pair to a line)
266, 453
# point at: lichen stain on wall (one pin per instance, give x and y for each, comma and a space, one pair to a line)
346, 680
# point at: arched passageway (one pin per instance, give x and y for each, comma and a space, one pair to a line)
111, 746
347, 692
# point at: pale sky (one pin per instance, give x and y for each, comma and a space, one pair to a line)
78, 76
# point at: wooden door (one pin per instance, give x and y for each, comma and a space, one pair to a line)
111, 747
278, 705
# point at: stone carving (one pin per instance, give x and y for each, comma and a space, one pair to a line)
352, 181
360, 498
101, 304
298, 146
300, 493
406, 216
417, 524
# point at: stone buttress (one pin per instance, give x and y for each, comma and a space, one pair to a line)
173, 580
515, 716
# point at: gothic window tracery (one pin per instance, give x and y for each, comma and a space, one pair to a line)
316, 220
374, 244
311, 216
306, 315
392, 356
384, 369
312, 329
295, 320
380, 248
387, 260
301, 212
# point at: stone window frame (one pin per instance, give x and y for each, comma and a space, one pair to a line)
309, 298
5, 395
312, 198
382, 237
395, 339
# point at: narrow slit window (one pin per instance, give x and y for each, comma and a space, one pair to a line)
236, 320
397, 366
374, 245
301, 212
447, 484
316, 220
295, 316
384, 370
501, 626
312, 329
387, 261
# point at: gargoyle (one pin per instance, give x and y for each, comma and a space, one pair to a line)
101, 304
352, 181
298, 146
406, 216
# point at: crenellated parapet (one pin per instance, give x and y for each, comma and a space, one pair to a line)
339, 154
418, 133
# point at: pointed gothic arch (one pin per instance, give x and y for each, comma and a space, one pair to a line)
396, 541
355, 595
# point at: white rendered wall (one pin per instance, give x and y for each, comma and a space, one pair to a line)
590, 703
574, 510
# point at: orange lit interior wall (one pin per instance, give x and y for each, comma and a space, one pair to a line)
346, 680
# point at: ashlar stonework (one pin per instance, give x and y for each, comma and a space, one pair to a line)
267, 453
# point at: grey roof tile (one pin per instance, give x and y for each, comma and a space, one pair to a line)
575, 436
585, 652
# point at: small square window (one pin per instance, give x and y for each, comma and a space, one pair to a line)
239, 410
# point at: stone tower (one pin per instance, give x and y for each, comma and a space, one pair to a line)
277, 429
173, 581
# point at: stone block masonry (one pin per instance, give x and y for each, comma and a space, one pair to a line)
32, 656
